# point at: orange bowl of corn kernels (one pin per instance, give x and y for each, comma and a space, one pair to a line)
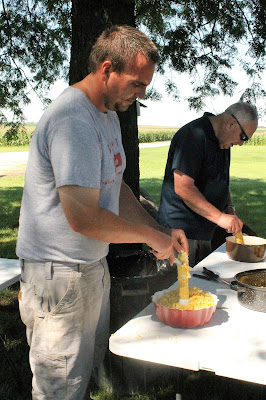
198, 312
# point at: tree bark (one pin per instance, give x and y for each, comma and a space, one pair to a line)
89, 19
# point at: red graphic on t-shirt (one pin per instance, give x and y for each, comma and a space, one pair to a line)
117, 160
110, 146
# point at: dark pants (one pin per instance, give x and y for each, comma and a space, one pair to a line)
198, 249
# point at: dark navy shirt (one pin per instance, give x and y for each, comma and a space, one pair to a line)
195, 151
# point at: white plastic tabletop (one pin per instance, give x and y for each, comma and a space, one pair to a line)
232, 344
9, 272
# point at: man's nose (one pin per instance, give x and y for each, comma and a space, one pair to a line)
141, 92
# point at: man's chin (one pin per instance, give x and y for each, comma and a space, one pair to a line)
122, 107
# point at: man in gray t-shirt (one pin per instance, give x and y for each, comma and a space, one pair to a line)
74, 204
73, 144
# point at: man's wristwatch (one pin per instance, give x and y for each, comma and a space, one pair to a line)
230, 205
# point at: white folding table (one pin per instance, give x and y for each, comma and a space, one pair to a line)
232, 344
9, 272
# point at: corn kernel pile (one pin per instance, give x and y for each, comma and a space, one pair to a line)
198, 299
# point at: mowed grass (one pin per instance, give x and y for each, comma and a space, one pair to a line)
247, 183
248, 186
11, 188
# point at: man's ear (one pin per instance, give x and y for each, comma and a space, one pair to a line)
232, 122
106, 70
229, 124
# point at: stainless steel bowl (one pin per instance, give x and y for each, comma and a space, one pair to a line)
253, 249
251, 289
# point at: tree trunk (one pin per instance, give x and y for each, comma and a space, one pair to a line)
129, 128
89, 19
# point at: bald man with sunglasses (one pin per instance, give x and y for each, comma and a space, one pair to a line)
195, 191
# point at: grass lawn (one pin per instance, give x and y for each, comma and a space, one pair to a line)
10, 199
6, 149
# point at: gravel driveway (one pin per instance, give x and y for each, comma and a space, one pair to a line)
13, 163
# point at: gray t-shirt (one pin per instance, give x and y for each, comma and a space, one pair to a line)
73, 144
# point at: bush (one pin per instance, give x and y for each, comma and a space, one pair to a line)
16, 135
257, 139
167, 135
155, 136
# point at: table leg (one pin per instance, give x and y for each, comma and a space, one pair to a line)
179, 383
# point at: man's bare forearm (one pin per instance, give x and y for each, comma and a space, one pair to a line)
195, 200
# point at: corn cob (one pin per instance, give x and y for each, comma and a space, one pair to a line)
183, 276
239, 238
183, 257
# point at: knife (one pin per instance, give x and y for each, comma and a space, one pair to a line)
207, 278
211, 276
214, 276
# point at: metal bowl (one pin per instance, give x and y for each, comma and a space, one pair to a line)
183, 318
251, 289
253, 249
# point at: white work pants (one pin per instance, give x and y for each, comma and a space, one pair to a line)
66, 310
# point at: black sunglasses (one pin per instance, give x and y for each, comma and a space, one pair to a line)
243, 136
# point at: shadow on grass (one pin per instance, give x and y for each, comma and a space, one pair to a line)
154, 187
12, 330
14, 384
10, 200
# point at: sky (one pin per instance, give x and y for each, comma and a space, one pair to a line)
165, 112
177, 113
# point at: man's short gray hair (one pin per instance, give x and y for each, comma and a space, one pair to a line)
246, 112
120, 44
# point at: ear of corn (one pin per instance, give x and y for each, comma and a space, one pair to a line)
183, 276
183, 257
239, 238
